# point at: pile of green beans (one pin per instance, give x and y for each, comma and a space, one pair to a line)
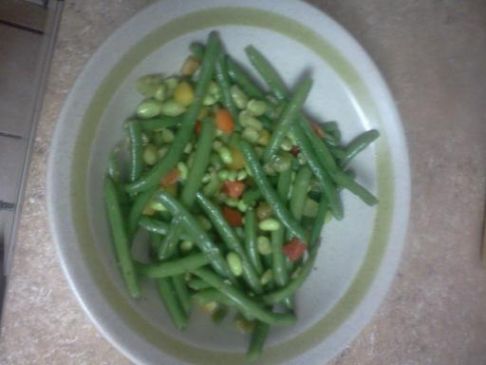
231, 185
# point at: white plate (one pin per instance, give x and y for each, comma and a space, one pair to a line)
359, 255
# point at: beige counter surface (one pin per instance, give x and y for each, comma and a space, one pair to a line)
433, 55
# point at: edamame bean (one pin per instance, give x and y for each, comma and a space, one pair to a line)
264, 246
269, 224
256, 107
149, 108
234, 263
187, 125
172, 108
150, 154
147, 85
239, 97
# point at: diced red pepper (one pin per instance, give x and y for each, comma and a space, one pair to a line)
197, 127
232, 216
171, 178
295, 150
233, 189
294, 249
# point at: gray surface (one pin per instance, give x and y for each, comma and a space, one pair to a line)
19, 50
433, 54
11, 162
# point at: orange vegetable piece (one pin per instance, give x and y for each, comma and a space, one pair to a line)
224, 121
170, 179
232, 216
233, 189
294, 249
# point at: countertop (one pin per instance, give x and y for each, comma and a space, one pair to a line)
433, 55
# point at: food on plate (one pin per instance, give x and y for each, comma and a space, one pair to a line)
233, 185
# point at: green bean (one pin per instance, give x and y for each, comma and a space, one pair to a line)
257, 341
330, 127
169, 245
251, 242
243, 79
251, 196
198, 284
347, 182
359, 144
153, 225
155, 241
272, 78
318, 222
242, 302
299, 191
186, 130
231, 240
197, 49
279, 268
266, 70
194, 181
182, 292
295, 283
314, 164
120, 238
338, 153
173, 267
168, 248
168, 295
159, 123
200, 164
136, 211
114, 166
332, 139
210, 295
197, 234
136, 149
320, 148
224, 83
292, 110
269, 193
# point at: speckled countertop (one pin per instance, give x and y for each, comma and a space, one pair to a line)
433, 55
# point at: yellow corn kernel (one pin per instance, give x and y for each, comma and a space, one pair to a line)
190, 66
184, 94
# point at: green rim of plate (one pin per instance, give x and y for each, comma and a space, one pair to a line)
171, 30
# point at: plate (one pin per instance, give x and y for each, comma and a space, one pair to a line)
359, 255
